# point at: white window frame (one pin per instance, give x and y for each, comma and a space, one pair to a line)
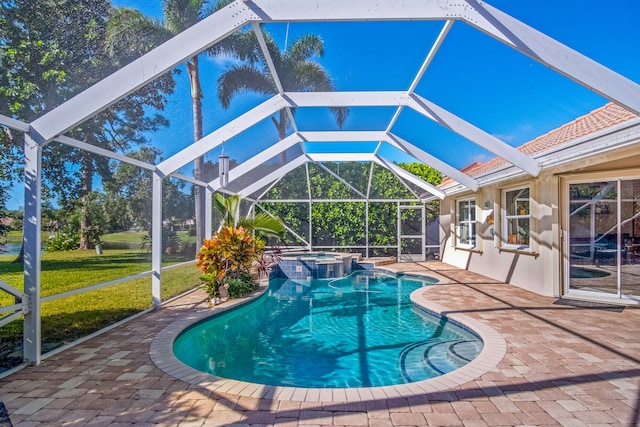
472, 223
516, 210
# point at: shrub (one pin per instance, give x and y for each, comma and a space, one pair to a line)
63, 241
227, 258
240, 286
170, 241
94, 234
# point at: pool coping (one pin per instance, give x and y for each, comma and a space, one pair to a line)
494, 350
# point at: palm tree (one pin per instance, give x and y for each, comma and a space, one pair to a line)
229, 209
296, 68
178, 16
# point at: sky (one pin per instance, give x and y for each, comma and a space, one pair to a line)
477, 78
473, 76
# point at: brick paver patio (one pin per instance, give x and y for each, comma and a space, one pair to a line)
564, 366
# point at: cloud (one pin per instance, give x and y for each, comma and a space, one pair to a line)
505, 138
224, 60
481, 158
521, 134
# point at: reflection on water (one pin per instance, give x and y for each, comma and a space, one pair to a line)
12, 248
577, 272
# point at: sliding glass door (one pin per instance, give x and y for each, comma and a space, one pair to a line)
630, 237
603, 238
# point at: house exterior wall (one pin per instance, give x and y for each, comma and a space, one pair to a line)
538, 268
532, 268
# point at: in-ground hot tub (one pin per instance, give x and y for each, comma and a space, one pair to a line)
313, 265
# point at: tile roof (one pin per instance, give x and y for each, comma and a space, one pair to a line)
604, 117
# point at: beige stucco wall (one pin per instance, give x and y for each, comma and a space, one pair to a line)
539, 269
533, 269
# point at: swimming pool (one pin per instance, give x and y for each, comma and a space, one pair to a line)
359, 331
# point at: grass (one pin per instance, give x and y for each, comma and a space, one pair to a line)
134, 237
15, 236
124, 236
76, 316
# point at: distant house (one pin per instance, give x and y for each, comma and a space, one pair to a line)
6, 221
572, 230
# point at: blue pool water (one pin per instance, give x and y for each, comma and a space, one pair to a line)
358, 331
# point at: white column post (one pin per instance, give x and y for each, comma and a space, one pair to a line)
424, 231
399, 230
208, 216
156, 239
31, 241
366, 222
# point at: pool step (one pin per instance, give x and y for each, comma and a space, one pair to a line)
436, 357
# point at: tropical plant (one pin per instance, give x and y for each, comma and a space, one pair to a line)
229, 209
296, 68
264, 264
228, 257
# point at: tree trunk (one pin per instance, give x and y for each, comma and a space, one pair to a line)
20, 258
282, 129
198, 166
85, 215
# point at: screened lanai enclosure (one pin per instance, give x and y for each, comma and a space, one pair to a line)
364, 207
329, 134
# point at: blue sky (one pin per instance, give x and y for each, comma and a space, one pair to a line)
475, 77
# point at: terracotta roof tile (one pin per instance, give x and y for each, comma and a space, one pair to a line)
604, 117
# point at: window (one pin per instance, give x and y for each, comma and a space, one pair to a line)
517, 217
466, 223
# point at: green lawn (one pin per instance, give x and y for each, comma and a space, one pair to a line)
124, 236
15, 236
73, 317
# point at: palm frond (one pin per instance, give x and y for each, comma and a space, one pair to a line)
241, 45
296, 68
340, 114
311, 76
264, 223
276, 54
182, 14
228, 207
306, 47
215, 6
131, 33
240, 78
